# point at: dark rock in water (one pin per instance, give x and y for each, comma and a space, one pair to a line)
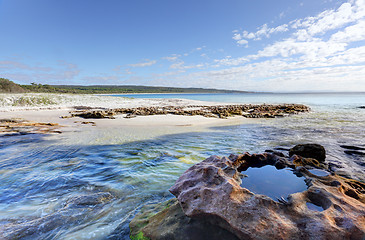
280, 154
280, 164
95, 114
282, 149
167, 221
315, 151
352, 147
354, 153
82, 108
363, 107
301, 161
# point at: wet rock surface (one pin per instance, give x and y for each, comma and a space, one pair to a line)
353, 150
332, 207
11, 127
167, 221
315, 151
219, 111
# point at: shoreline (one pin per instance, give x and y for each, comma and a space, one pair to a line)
145, 127
49, 101
84, 112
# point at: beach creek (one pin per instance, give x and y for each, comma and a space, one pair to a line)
89, 184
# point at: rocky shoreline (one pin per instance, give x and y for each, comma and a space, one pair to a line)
210, 202
11, 127
218, 111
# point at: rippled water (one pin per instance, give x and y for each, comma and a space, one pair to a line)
49, 184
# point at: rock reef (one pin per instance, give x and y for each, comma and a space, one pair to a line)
9, 127
210, 193
219, 111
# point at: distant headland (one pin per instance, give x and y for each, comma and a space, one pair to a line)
8, 86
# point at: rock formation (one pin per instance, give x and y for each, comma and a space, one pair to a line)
171, 223
9, 127
315, 151
211, 191
219, 111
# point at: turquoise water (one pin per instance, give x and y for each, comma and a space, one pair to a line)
313, 99
41, 175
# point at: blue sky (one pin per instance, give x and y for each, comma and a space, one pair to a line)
282, 46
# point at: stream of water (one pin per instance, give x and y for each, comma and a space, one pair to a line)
85, 186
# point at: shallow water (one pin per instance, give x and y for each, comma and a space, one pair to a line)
41, 175
265, 181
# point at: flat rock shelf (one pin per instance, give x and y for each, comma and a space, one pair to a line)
218, 111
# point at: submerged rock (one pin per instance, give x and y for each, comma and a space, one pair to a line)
315, 151
167, 221
351, 152
75, 210
332, 207
352, 147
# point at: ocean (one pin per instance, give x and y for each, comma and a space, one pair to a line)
42, 176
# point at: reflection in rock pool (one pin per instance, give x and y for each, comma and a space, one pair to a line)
314, 207
272, 182
319, 172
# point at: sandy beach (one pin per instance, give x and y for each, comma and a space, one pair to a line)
49, 108
50, 101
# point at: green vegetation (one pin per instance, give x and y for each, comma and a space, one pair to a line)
7, 86
100, 89
139, 236
32, 101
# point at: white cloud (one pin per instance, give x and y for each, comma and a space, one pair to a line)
311, 49
143, 64
309, 27
172, 58
280, 75
229, 61
263, 31
317, 54
248, 35
180, 65
26, 73
331, 19
352, 33
242, 42
237, 36
9, 65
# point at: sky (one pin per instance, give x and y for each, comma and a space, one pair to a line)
264, 45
